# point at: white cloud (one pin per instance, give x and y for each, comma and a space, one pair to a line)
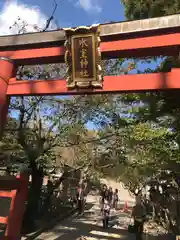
31, 16
90, 5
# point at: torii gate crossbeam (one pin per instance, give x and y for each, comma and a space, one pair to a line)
150, 37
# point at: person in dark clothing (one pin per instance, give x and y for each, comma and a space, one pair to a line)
106, 213
155, 199
110, 195
139, 215
115, 199
49, 188
104, 196
80, 199
104, 193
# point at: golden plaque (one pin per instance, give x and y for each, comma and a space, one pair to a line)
83, 57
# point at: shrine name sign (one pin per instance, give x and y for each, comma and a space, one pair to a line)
83, 57
83, 50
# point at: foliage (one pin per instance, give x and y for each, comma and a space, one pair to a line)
137, 9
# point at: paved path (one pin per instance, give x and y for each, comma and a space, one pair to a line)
90, 226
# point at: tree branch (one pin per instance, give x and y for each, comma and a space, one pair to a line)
49, 20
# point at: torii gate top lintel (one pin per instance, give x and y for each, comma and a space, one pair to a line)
141, 38
108, 31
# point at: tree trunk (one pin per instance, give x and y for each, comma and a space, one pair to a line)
64, 176
33, 198
56, 185
178, 213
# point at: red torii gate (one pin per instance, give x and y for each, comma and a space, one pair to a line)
142, 38
16, 189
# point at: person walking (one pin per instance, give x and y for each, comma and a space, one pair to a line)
80, 199
110, 195
139, 215
105, 213
103, 194
115, 199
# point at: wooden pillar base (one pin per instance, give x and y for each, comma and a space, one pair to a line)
17, 208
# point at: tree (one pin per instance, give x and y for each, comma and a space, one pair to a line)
137, 9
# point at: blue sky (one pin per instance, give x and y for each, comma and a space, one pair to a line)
84, 12
73, 12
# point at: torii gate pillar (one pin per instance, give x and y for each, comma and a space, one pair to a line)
6, 72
